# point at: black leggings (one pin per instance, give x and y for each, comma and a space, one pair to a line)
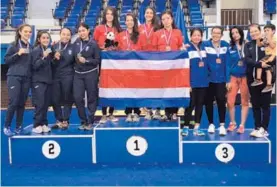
104, 110
217, 91
129, 111
197, 102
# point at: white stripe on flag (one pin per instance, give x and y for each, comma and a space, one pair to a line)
144, 93
145, 64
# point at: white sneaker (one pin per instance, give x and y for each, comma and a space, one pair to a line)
103, 119
222, 130
135, 118
129, 118
45, 129
260, 133
253, 133
211, 128
37, 130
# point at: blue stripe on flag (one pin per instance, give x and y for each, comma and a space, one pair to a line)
144, 102
120, 55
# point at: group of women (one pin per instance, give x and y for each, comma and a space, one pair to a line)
60, 74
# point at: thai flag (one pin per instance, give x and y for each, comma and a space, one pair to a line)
144, 79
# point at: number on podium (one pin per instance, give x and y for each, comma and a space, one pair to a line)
224, 152
51, 149
136, 145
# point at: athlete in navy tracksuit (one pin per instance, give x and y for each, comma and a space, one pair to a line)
41, 81
87, 59
218, 61
18, 59
199, 81
63, 72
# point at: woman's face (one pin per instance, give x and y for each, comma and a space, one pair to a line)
129, 22
25, 33
65, 36
167, 20
235, 34
255, 33
216, 34
109, 16
44, 39
196, 37
149, 15
83, 32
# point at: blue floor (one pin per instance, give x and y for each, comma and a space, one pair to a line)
173, 175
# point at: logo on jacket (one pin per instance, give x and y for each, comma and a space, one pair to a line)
70, 52
87, 48
12, 87
36, 86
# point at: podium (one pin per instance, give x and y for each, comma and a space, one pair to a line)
143, 142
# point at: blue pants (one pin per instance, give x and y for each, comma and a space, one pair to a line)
18, 89
41, 96
86, 82
62, 96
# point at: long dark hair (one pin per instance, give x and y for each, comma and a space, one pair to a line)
155, 21
115, 18
39, 34
135, 33
232, 41
19, 29
171, 15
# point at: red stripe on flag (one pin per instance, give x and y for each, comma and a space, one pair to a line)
173, 78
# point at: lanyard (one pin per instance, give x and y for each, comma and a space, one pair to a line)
128, 41
198, 51
60, 47
20, 44
257, 54
241, 52
81, 46
167, 40
217, 50
146, 33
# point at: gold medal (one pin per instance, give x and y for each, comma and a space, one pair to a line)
168, 48
201, 64
218, 60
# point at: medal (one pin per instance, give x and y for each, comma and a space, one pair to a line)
26, 50
168, 48
201, 64
240, 63
218, 60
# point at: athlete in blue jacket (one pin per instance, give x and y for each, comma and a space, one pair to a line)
218, 61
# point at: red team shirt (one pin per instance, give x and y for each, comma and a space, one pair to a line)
100, 32
162, 38
125, 43
146, 35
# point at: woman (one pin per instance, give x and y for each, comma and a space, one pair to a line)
87, 60
128, 40
238, 81
147, 31
63, 79
110, 23
198, 80
218, 59
254, 52
18, 58
168, 38
41, 81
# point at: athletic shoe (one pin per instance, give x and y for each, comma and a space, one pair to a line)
129, 118
211, 128
103, 119
45, 129
37, 130
232, 127
135, 118
185, 131
222, 130
8, 132
113, 118
240, 129
198, 132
